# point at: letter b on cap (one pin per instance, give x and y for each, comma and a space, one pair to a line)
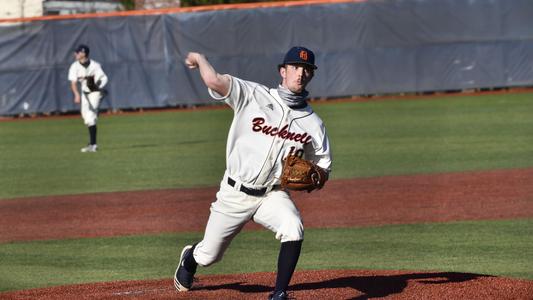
303, 55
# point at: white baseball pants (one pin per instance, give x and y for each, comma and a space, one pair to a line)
89, 107
233, 209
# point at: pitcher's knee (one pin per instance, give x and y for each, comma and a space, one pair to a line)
205, 260
292, 229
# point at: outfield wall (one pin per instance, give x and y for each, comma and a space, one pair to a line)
362, 47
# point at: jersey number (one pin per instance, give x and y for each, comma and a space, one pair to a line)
299, 152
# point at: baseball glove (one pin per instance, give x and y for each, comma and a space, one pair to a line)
91, 85
302, 175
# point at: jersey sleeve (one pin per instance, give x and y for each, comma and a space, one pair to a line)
323, 154
238, 95
99, 76
72, 72
321, 150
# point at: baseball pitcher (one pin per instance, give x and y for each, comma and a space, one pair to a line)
276, 143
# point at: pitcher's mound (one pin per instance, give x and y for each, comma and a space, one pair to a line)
325, 284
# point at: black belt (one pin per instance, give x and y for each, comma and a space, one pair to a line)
248, 191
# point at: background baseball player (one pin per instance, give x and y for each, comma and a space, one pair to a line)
268, 126
92, 79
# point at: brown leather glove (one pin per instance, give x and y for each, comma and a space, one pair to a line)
302, 175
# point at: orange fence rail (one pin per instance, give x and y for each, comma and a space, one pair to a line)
178, 10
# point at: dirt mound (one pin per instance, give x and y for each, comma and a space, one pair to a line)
342, 284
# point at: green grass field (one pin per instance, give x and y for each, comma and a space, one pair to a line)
187, 149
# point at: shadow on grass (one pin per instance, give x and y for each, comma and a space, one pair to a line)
370, 286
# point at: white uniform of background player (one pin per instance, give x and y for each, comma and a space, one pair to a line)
79, 71
268, 125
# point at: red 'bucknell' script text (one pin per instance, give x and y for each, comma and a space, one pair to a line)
282, 132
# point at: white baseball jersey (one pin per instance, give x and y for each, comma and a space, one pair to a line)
90, 101
265, 130
78, 72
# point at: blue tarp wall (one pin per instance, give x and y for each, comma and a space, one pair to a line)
371, 47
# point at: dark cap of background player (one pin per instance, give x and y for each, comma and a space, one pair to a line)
82, 48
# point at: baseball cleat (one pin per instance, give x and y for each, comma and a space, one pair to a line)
278, 295
89, 148
183, 278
